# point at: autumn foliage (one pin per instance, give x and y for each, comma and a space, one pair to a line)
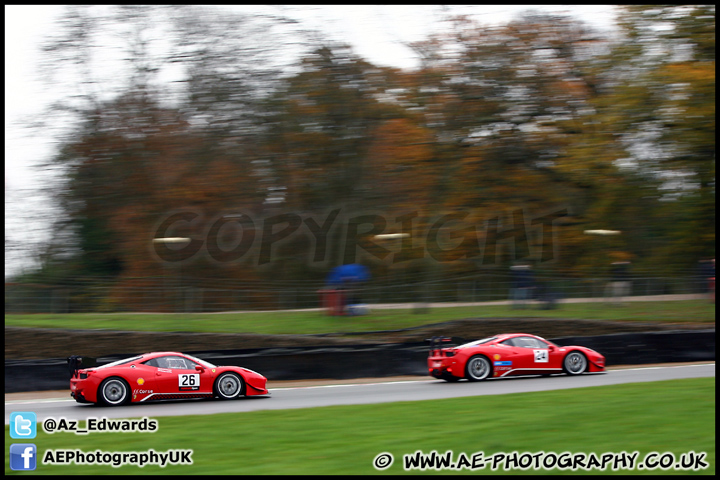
541, 116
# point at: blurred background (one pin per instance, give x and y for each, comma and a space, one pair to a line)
151, 110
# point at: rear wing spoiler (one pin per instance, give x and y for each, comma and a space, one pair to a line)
438, 342
78, 362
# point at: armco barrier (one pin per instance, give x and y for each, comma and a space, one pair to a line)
382, 360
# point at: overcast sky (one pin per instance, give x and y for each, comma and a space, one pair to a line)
377, 33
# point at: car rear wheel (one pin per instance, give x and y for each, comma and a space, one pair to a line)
229, 386
478, 368
113, 391
575, 363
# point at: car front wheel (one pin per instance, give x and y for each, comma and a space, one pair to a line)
113, 391
228, 386
575, 363
478, 368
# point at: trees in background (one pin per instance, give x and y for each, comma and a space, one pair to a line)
539, 116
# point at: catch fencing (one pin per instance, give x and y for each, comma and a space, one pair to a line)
164, 294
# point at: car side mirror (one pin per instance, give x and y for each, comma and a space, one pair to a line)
551, 348
199, 368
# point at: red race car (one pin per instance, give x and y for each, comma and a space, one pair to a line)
509, 354
160, 376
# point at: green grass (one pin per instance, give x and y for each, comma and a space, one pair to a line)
309, 322
671, 416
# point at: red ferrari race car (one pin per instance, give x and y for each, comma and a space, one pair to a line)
509, 354
160, 376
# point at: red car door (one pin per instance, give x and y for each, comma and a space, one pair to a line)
176, 375
166, 381
511, 358
533, 356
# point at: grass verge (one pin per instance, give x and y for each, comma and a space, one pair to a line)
313, 322
672, 416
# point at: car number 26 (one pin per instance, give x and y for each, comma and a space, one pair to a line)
189, 380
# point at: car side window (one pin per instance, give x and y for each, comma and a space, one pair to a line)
528, 342
152, 363
172, 362
509, 342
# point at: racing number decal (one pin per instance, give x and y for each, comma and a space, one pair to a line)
189, 381
541, 356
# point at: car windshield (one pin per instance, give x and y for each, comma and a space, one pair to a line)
121, 362
477, 342
204, 363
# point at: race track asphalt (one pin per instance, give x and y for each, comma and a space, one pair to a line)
308, 395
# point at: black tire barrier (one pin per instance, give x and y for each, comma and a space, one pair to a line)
650, 347
381, 360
